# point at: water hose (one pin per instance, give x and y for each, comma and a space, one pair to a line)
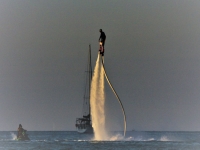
102, 59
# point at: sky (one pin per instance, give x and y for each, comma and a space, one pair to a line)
152, 58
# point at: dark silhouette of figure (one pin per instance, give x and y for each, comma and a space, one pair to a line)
21, 133
102, 40
102, 37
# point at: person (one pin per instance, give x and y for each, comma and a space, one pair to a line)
20, 131
102, 38
21, 134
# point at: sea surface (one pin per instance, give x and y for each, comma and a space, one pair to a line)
71, 140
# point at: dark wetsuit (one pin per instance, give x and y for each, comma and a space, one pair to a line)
102, 38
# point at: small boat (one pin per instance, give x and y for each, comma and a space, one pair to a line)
84, 124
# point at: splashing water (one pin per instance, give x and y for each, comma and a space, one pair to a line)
97, 101
164, 138
117, 137
14, 136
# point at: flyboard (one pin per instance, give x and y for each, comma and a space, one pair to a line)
101, 51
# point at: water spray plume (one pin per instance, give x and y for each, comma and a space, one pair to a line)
97, 100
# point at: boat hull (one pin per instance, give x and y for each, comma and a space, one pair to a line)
84, 129
83, 125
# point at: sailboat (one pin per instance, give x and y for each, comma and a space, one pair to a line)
84, 124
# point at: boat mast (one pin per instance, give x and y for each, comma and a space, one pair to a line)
90, 77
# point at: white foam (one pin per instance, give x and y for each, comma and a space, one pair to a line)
164, 138
13, 135
117, 137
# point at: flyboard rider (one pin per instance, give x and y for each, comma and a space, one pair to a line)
102, 40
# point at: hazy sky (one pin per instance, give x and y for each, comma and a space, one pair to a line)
152, 57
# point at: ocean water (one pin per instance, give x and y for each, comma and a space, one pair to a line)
71, 140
